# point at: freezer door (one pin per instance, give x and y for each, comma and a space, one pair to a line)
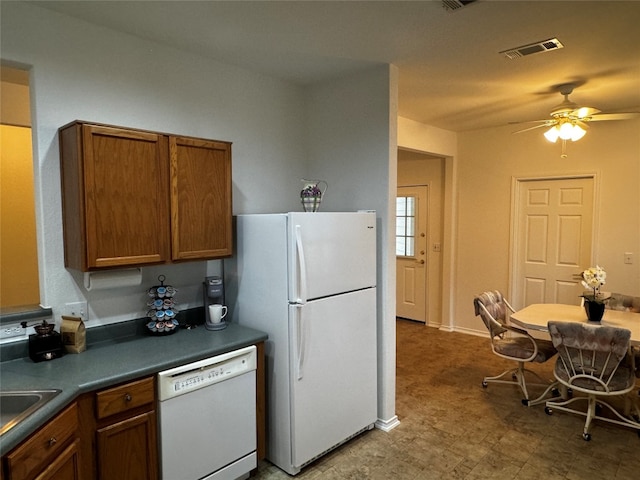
330, 253
333, 376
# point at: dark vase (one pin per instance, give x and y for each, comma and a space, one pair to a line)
594, 310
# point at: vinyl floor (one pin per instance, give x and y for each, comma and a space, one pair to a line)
452, 428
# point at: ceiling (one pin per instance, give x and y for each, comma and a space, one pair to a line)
451, 74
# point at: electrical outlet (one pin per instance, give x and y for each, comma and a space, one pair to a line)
12, 331
77, 309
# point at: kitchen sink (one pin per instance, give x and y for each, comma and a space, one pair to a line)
17, 405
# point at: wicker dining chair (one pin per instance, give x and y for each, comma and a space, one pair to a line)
596, 361
513, 343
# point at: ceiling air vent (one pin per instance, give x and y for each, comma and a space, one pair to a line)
538, 47
455, 4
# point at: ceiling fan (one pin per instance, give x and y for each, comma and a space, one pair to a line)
569, 121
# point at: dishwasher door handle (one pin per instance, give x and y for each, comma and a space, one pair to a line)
187, 378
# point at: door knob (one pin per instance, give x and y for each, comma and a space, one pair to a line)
421, 262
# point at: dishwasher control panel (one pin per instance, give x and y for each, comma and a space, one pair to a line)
190, 377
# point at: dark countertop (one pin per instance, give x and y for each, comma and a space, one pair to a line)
110, 362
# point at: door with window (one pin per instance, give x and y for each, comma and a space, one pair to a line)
411, 248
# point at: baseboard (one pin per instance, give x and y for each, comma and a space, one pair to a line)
469, 331
387, 425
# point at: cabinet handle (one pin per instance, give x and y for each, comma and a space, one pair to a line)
52, 441
127, 397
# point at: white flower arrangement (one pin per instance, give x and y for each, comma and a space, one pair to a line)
593, 278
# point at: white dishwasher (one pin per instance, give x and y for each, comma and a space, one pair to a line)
207, 418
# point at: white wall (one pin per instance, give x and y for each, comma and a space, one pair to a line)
441, 143
479, 169
82, 71
353, 148
490, 158
342, 131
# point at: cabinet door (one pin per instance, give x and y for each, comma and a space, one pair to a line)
128, 450
126, 196
66, 466
200, 198
40, 449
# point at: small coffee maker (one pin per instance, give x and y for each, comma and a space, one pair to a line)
213, 293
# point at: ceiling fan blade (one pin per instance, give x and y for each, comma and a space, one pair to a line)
583, 112
614, 116
530, 121
532, 128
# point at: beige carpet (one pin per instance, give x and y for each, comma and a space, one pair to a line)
452, 428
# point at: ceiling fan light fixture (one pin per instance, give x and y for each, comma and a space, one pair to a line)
565, 131
552, 134
577, 132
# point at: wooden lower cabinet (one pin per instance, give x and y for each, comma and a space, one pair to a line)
110, 434
127, 449
66, 466
51, 452
119, 432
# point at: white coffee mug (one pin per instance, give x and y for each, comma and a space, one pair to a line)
217, 312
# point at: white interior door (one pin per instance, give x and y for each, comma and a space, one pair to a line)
553, 239
411, 253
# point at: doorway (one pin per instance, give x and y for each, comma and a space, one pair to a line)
553, 238
19, 285
411, 260
420, 169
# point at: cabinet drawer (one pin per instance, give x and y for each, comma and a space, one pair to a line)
124, 397
43, 445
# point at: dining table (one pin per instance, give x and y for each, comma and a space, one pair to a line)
537, 315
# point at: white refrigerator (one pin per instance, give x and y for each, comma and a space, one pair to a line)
309, 281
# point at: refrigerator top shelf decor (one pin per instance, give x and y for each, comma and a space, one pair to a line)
312, 194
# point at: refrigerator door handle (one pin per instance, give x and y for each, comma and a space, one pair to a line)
301, 341
303, 267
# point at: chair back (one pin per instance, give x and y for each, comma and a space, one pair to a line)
622, 302
590, 356
491, 307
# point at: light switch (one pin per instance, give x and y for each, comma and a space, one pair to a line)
628, 258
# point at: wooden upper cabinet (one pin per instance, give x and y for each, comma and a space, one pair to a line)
200, 198
133, 198
115, 199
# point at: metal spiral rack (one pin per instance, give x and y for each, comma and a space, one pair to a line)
162, 312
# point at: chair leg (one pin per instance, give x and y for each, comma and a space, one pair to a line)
518, 375
592, 404
497, 378
542, 398
549, 387
591, 414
